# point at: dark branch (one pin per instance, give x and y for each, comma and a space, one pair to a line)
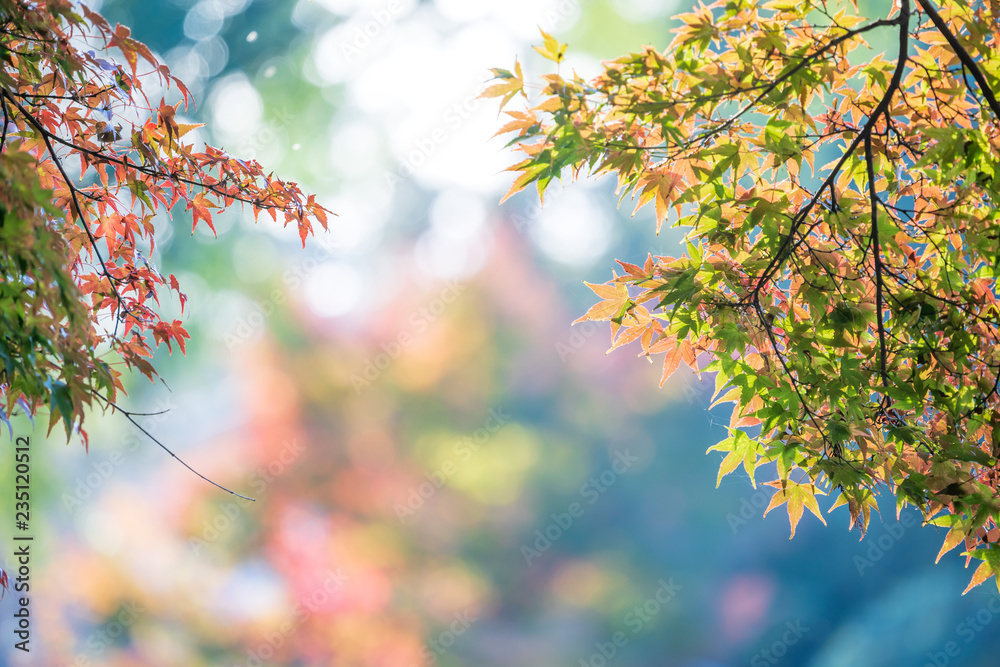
963, 55
801, 65
788, 244
788, 373
72, 192
129, 416
876, 254
6, 120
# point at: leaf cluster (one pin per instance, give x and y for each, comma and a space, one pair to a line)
841, 265
80, 182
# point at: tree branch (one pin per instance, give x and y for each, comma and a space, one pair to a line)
6, 120
72, 192
881, 23
788, 373
129, 416
788, 244
877, 258
963, 55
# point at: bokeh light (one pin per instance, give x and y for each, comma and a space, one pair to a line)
445, 471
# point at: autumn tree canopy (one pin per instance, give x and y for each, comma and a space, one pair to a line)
86, 161
840, 272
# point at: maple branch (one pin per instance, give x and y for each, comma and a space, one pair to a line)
789, 244
788, 372
6, 119
963, 55
767, 88
76, 97
4, 93
151, 171
148, 171
876, 254
881, 23
982, 402
27, 38
129, 416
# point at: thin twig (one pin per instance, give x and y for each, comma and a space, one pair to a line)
869, 159
72, 191
129, 415
963, 55
788, 244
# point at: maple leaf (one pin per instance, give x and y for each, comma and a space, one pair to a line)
513, 84
956, 535
200, 208
166, 332
614, 306
522, 123
990, 566
741, 449
661, 187
551, 48
859, 511
796, 495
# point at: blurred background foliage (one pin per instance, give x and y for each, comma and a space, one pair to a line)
408, 404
